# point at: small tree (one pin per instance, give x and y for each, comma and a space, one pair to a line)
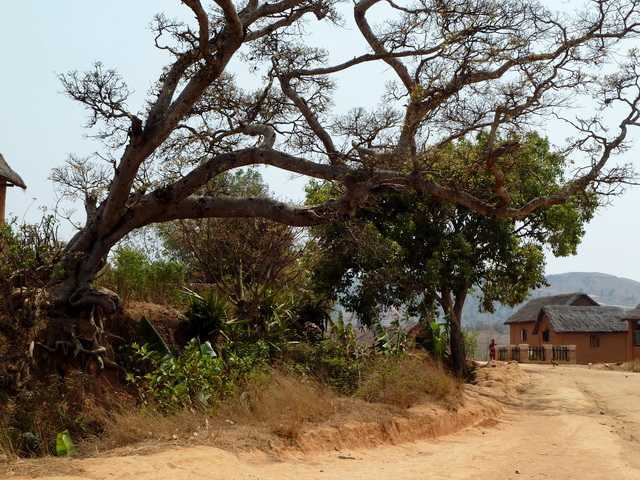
418, 252
244, 259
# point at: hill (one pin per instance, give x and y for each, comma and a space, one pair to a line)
605, 289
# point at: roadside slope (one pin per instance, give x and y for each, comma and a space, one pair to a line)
573, 423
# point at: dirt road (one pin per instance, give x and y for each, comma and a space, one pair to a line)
573, 423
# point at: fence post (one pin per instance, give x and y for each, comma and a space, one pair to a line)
548, 353
572, 353
524, 352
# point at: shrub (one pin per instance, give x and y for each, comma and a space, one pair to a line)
208, 316
404, 381
392, 340
32, 419
434, 338
470, 343
195, 378
135, 276
336, 360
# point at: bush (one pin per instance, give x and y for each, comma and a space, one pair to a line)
406, 380
135, 276
31, 420
336, 360
470, 343
196, 378
434, 338
208, 316
392, 340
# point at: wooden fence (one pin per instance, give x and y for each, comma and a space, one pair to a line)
525, 353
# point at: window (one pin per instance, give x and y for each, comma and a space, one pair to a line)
523, 336
545, 336
594, 341
636, 335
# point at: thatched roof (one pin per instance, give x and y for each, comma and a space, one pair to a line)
8, 175
571, 318
632, 314
530, 310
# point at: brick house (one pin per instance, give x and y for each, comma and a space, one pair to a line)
599, 333
523, 321
632, 318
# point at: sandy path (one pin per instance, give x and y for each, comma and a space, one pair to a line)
573, 423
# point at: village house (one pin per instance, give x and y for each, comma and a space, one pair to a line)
523, 321
632, 318
589, 332
8, 178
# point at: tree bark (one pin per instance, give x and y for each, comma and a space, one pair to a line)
453, 304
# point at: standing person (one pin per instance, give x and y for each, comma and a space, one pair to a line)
492, 349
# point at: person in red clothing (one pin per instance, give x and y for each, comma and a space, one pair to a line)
492, 349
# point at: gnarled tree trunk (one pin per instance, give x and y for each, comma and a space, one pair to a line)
452, 306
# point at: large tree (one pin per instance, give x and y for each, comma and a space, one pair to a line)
417, 252
461, 66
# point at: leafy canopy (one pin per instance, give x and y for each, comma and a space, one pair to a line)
410, 249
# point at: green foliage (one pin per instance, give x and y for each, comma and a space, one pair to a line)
392, 340
434, 338
136, 276
413, 251
195, 378
328, 363
470, 343
64, 444
31, 420
336, 360
208, 316
212, 317
28, 254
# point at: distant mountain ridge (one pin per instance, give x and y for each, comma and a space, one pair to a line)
604, 288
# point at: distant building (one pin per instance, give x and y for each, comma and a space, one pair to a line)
523, 321
632, 318
8, 178
599, 333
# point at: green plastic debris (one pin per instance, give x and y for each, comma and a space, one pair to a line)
64, 444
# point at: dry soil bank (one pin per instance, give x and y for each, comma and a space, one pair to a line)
571, 423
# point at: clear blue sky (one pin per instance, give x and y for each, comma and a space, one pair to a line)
39, 126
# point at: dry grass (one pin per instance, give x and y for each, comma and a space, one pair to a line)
273, 410
281, 403
633, 366
270, 404
406, 381
277, 408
